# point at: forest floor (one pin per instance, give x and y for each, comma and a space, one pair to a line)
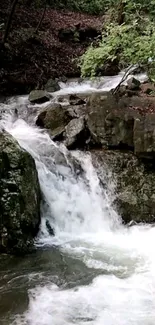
28, 60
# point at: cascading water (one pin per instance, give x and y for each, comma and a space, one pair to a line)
117, 283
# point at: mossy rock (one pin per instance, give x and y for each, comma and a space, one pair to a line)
19, 197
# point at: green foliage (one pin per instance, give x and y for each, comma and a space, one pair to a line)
141, 6
130, 43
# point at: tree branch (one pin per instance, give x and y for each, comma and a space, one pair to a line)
41, 19
130, 69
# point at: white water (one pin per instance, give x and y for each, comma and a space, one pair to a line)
97, 85
87, 228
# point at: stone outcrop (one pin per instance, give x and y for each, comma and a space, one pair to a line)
108, 123
144, 136
133, 182
120, 124
19, 197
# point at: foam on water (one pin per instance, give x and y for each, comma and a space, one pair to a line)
87, 228
108, 300
96, 85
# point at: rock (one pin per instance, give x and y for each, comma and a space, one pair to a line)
144, 136
122, 90
119, 130
133, 84
54, 118
63, 99
131, 93
38, 96
109, 69
49, 228
132, 181
63, 79
52, 85
149, 91
75, 100
148, 88
120, 123
110, 122
76, 133
19, 197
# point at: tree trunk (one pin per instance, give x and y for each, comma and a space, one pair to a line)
121, 15
9, 21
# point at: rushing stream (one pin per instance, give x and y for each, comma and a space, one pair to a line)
94, 271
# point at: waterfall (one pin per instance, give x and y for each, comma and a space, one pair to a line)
73, 201
86, 229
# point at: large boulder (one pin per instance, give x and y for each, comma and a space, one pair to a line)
19, 197
132, 182
57, 119
38, 97
109, 121
54, 118
122, 123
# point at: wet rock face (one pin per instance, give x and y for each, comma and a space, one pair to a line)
76, 133
118, 123
134, 190
109, 122
102, 120
144, 136
19, 197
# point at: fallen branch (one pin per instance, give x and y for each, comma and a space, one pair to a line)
130, 69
